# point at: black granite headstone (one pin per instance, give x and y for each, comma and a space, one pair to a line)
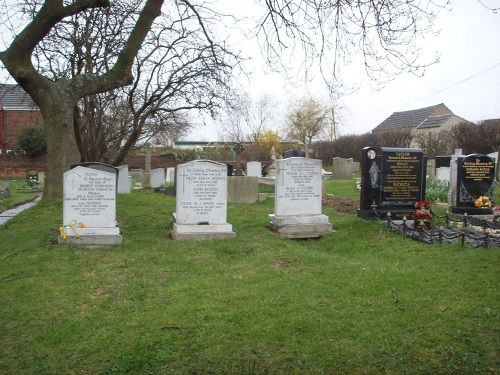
392, 180
293, 153
475, 178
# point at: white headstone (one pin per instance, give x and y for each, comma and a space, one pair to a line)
298, 199
89, 207
124, 184
156, 177
254, 169
298, 186
201, 201
170, 175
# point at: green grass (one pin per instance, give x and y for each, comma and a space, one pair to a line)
18, 194
255, 304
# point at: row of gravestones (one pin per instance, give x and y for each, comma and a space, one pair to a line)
394, 180
89, 206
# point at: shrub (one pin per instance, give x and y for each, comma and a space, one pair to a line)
33, 140
436, 189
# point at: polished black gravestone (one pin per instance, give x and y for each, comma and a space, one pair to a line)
392, 180
475, 178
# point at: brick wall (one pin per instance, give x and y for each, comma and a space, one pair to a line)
12, 122
15, 166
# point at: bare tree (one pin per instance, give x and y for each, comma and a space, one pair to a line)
385, 32
244, 118
399, 137
433, 143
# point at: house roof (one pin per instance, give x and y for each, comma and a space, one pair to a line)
428, 117
13, 97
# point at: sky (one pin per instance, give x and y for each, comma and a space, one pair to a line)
466, 78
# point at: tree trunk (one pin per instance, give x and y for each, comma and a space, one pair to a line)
62, 150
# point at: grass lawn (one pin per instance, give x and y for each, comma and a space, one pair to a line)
362, 300
18, 194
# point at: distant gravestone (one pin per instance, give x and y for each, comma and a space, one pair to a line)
5, 188
475, 178
242, 189
293, 153
342, 169
254, 169
170, 175
124, 180
298, 199
89, 207
156, 177
392, 181
32, 177
201, 201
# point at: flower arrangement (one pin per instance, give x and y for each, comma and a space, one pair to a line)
422, 210
496, 212
71, 226
483, 202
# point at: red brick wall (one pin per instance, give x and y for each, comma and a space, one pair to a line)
15, 166
11, 122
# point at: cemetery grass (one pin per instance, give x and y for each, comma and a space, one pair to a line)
18, 195
362, 300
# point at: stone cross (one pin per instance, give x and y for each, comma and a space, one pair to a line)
238, 149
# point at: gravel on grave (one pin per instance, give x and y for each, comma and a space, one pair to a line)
474, 238
474, 235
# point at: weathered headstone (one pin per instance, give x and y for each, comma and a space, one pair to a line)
392, 181
342, 169
201, 201
138, 176
156, 177
475, 178
242, 189
298, 199
5, 188
254, 168
89, 207
124, 180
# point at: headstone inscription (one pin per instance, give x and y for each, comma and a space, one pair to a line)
392, 181
475, 178
201, 201
298, 199
89, 207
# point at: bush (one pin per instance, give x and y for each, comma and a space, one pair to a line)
33, 140
437, 189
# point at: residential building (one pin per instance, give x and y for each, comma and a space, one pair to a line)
17, 110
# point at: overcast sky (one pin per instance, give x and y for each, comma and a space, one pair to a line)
466, 79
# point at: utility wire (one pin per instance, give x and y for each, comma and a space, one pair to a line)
427, 96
